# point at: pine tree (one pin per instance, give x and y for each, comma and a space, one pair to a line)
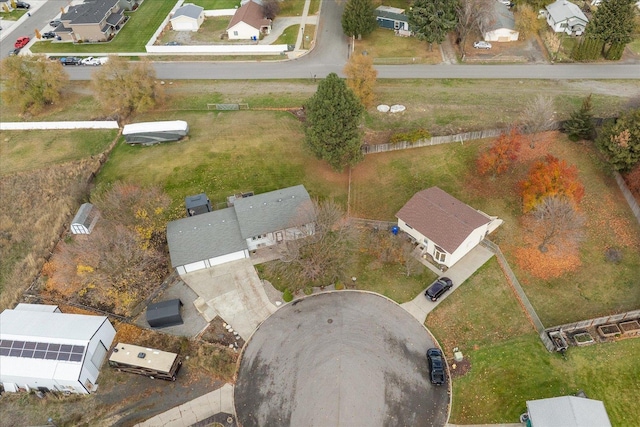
431, 20
333, 115
580, 125
359, 18
613, 24
620, 141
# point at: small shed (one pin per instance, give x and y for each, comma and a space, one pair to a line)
85, 219
392, 18
197, 204
164, 314
189, 17
502, 27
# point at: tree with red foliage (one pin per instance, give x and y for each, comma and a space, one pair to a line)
501, 155
550, 177
633, 180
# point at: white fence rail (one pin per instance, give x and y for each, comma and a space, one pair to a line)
227, 49
59, 125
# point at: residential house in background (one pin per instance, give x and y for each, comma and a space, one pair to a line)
565, 17
502, 27
393, 18
188, 17
248, 23
443, 226
229, 234
43, 349
91, 21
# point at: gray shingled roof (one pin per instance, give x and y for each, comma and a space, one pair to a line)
89, 12
441, 218
502, 18
190, 10
204, 236
562, 10
567, 411
273, 211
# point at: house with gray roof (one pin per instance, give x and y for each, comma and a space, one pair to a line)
229, 234
443, 226
188, 17
502, 26
91, 21
567, 411
565, 17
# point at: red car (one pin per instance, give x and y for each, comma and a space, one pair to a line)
21, 42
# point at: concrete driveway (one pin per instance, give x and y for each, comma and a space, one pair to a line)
345, 358
421, 306
232, 291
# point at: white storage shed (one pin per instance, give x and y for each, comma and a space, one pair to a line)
44, 349
189, 17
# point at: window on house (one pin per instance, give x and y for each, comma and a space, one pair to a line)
439, 254
235, 33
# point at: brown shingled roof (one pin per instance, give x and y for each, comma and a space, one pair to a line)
250, 13
441, 218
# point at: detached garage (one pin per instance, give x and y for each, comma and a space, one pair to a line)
188, 18
44, 349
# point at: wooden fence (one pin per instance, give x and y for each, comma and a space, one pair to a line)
627, 195
434, 140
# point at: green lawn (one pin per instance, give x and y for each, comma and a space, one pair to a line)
217, 4
387, 48
314, 7
37, 149
505, 375
291, 8
14, 15
132, 38
289, 35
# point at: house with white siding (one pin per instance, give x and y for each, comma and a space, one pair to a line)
565, 17
43, 349
502, 26
443, 226
248, 23
225, 235
188, 17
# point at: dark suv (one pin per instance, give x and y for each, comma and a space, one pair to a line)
22, 5
438, 288
436, 366
70, 60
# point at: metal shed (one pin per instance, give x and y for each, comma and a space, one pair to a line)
197, 204
85, 219
164, 314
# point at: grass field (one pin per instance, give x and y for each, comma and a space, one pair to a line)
217, 4
23, 151
387, 48
132, 38
289, 35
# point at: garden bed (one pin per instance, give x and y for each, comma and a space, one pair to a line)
583, 338
631, 327
609, 330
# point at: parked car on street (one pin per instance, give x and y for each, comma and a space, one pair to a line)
49, 35
482, 45
55, 23
14, 52
22, 5
438, 288
436, 366
70, 60
90, 60
21, 42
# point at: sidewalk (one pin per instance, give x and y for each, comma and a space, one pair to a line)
196, 410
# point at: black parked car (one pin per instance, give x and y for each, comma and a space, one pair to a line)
49, 35
70, 60
438, 288
436, 366
22, 5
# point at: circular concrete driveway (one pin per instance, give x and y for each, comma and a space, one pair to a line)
343, 358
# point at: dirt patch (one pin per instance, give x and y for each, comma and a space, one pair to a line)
218, 333
459, 369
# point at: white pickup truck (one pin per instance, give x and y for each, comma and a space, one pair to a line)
90, 60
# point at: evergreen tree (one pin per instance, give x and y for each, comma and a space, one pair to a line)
620, 141
580, 125
431, 20
613, 24
333, 115
359, 18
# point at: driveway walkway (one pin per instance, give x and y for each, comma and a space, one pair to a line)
232, 291
196, 410
420, 306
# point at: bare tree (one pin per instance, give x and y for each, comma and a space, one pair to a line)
556, 222
322, 254
538, 117
270, 8
472, 15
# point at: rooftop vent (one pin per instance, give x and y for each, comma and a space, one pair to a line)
142, 355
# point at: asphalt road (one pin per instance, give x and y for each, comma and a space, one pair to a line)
344, 358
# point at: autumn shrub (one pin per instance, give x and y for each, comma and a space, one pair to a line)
339, 286
499, 158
